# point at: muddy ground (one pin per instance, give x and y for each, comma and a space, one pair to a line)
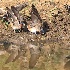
55, 44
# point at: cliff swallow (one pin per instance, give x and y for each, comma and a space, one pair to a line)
15, 22
14, 17
16, 13
35, 24
16, 10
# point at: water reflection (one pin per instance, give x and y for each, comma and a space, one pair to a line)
67, 65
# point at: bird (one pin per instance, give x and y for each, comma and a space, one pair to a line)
18, 8
13, 17
14, 22
34, 25
16, 13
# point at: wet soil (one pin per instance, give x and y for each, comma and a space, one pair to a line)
54, 45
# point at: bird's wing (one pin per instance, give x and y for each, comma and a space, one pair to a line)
9, 11
21, 6
16, 13
34, 18
15, 18
35, 15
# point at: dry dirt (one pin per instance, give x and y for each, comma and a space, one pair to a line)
55, 43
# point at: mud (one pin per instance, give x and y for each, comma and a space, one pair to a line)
54, 45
